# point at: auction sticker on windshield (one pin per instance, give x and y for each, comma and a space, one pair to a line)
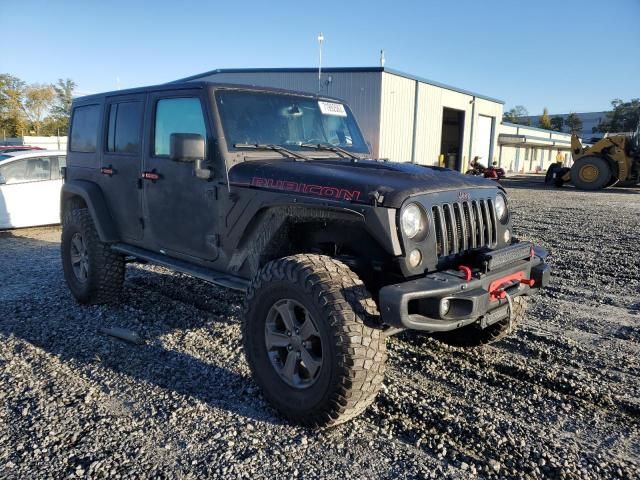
329, 108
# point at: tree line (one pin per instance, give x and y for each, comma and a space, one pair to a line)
623, 117
34, 109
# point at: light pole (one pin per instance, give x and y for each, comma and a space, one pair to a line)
320, 41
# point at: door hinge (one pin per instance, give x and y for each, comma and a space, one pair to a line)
212, 194
139, 184
141, 222
213, 240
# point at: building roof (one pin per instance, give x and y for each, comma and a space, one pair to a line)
519, 125
518, 140
341, 70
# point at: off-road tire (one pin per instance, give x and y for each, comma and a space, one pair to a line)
105, 274
473, 336
581, 170
354, 352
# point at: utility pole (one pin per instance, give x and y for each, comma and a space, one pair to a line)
320, 42
473, 120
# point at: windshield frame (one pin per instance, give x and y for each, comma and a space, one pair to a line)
239, 154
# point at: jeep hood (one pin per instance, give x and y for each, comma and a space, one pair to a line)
352, 181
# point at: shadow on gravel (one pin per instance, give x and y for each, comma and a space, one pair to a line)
537, 183
51, 320
149, 363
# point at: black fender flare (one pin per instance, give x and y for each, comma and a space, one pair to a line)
380, 223
92, 196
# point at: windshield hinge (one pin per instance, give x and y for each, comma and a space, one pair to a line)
376, 197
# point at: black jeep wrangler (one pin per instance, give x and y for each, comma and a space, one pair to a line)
275, 193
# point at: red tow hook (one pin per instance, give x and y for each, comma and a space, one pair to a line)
467, 272
501, 294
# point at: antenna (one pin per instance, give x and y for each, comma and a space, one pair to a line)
320, 42
382, 59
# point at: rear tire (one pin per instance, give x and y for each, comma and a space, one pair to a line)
473, 336
591, 173
350, 352
93, 272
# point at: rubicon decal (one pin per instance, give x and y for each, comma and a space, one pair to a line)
321, 190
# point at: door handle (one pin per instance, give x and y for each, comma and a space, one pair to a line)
152, 175
107, 170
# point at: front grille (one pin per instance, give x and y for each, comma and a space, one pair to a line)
463, 226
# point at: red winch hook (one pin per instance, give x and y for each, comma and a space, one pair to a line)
467, 272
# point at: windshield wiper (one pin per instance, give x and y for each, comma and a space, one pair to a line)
332, 148
285, 152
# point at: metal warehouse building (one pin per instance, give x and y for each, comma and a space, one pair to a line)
404, 118
411, 119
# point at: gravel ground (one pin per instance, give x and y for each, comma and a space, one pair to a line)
560, 398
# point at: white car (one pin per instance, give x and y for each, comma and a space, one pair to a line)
30, 183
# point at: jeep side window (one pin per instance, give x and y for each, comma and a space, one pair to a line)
177, 115
84, 129
125, 120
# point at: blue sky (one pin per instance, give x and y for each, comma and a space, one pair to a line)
526, 53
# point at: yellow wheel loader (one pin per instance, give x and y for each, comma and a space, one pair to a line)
613, 160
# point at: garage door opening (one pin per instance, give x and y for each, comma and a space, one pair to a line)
452, 134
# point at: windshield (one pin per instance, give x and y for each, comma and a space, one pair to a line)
286, 120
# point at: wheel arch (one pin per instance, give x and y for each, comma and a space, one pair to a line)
85, 194
278, 231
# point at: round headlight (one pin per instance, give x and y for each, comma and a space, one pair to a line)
412, 220
501, 207
415, 257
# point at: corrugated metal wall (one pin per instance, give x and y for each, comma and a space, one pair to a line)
361, 90
397, 118
403, 107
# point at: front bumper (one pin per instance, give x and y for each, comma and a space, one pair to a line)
417, 304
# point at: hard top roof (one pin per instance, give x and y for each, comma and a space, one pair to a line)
191, 85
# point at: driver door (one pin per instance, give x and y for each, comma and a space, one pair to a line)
180, 208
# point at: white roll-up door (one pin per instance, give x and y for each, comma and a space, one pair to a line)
482, 140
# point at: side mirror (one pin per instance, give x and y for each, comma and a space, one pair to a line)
186, 147
189, 147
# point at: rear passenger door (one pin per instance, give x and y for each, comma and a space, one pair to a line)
122, 162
